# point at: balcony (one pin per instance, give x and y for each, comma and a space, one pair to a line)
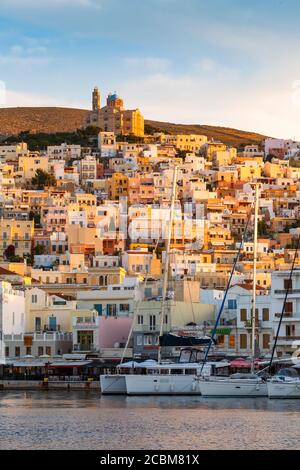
84, 347
287, 339
285, 315
248, 325
283, 291
147, 328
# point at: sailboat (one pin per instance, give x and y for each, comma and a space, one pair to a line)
157, 377
286, 383
240, 385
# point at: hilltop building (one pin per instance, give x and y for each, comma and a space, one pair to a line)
113, 117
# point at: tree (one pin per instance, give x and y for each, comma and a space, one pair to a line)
9, 253
262, 228
39, 249
43, 178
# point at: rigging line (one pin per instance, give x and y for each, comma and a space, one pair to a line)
135, 315
189, 288
284, 303
226, 292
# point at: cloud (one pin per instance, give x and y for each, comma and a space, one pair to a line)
146, 64
196, 100
15, 99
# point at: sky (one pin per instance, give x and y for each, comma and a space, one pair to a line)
233, 63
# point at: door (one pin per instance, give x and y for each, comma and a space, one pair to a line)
52, 323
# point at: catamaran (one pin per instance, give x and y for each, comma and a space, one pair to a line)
239, 385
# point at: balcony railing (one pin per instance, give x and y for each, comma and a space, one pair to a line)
283, 291
248, 324
285, 315
289, 338
84, 347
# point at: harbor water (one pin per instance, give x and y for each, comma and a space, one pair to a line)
85, 420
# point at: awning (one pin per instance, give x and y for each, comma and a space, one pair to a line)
240, 363
68, 364
222, 331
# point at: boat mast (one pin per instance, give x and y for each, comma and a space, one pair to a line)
166, 271
254, 278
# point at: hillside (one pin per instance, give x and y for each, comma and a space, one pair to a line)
16, 120
51, 120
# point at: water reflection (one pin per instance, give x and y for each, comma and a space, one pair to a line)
84, 420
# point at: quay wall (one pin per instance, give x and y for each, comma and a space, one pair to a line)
40, 385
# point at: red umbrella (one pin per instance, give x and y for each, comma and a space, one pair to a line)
240, 363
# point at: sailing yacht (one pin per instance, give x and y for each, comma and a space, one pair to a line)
240, 385
162, 378
285, 384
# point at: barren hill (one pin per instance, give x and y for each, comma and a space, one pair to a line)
50, 120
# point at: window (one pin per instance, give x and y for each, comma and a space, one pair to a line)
243, 341
139, 340
38, 323
231, 341
111, 310
288, 284
34, 299
266, 341
289, 308
266, 314
40, 350
243, 313
124, 307
148, 340
152, 322
52, 323
28, 351
17, 351
98, 308
48, 350
232, 304
140, 319
290, 330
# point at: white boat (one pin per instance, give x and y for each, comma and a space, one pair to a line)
286, 384
115, 384
237, 385
170, 379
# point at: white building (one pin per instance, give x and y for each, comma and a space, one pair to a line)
12, 316
13, 152
107, 144
64, 151
289, 334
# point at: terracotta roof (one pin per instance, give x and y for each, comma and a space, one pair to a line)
8, 273
248, 286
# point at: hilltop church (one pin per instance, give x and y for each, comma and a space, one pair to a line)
113, 117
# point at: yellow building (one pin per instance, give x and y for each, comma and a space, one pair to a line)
28, 165
114, 118
117, 186
18, 233
188, 142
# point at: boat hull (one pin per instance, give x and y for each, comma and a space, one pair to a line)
162, 385
284, 389
113, 384
230, 388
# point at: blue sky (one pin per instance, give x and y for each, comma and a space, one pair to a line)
226, 62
